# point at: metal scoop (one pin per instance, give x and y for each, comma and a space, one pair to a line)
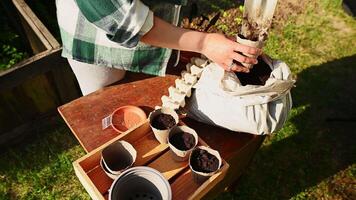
257, 18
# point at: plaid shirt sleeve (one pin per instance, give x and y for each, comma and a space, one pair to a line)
125, 21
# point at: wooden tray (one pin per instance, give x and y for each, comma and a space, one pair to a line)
149, 153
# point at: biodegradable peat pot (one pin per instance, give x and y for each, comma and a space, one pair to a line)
117, 157
181, 141
242, 40
106, 170
162, 120
140, 183
204, 162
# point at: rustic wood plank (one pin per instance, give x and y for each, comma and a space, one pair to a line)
36, 25
168, 166
101, 181
148, 148
87, 184
103, 102
64, 82
34, 66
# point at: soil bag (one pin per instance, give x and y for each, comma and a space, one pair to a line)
223, 99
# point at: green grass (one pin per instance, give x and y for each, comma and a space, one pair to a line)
312, 157
42, 167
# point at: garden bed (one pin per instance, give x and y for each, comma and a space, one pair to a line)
32, 89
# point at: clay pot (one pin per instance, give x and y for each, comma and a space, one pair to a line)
125, 118
179, 154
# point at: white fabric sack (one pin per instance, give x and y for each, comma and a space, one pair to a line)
221, 100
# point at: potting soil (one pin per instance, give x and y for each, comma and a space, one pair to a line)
258, 75
182, 141
163, 122
203, 161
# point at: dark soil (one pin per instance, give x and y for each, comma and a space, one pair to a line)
182, 141
203, 161
258, 75
163, 122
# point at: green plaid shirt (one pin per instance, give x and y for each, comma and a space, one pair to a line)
107, 33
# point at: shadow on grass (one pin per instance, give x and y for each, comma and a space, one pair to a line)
35, 167
317, 142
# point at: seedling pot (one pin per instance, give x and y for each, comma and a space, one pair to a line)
162, 135
257, 44
117, 157
107, 172
178, 154
140, 183
199, 176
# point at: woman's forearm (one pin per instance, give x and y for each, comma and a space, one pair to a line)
215, 46
166, 35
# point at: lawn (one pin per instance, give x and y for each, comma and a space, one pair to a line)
312, 157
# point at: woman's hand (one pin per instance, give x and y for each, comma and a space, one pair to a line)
216, 47
226, 52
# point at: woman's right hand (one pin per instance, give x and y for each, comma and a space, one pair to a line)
227, 53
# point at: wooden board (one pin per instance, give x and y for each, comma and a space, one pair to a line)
39, 36
150, 153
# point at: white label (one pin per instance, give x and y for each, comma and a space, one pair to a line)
106, 122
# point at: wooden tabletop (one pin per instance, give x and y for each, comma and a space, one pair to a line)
84, 115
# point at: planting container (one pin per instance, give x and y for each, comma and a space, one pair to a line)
181, 155
141, 183
162, 135
202, 176
117, 153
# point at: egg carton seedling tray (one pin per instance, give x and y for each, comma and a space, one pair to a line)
149, 153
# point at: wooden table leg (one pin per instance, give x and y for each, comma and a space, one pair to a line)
238, 163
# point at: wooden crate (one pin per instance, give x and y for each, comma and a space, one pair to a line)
31, 90
150, 153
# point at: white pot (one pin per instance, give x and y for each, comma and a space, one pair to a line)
181, 155
140, 183
198, 176
162, 135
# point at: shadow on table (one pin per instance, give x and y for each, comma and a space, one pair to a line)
317, 142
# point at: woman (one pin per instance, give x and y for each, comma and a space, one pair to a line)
103, 38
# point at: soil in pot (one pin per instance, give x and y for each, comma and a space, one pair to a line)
203, 161
182, 141
258, 75
163, 122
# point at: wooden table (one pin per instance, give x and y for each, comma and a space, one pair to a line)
84, 115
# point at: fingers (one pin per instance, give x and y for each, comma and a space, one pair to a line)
240, 68
234, 67
247, 49
243, 59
